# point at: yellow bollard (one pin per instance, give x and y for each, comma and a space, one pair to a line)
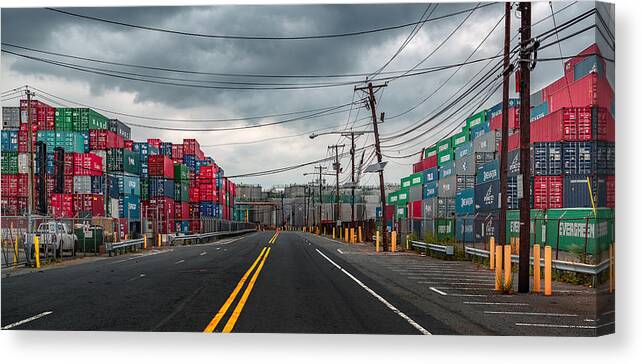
394, 241
360, 235
333, 233
125, 236
407, 242
352, 236
324, 231
491, 256
159, 240
548, 254
36, 243
498, 267
508, 272
611, 268
516, 250
346, 237
144, 241
377, 241
537, 279
15, 251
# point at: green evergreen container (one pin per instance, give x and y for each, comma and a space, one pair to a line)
538, 222
131, 162
63, 119
476, 119
401, 212
180, 172
429, 152
181, 191
85, 119
444, 146
445, 157
445, 229
144, 189
393, 197
580, 230
459, 138
9, 161
416, 179
405, 182
402, 196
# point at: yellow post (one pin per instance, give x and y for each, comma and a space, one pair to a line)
548, 254
394, 241
516, 246
537, 279
508, 272
360, 235
333, 233
491, 256
345, 235
498, 267
611, 268
352, 236
144, 241
407, 242
512, 242
159, 240
125, 236
15, 251
377, 242
324, 230
36, 243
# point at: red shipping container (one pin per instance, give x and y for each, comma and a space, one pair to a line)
207, 193
194, 194
42, 115
548, 192
177, 152
207, 172
83, 164
161, 166
417, 167
100, 139
62, 205
23, 139
95, 204
195, 226
129, 145
415, 210
15, 185
590, 90
181, 210
13, 206
610, 191
154, 142
513, 119
429, 162
190, 146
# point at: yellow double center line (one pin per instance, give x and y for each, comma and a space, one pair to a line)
260, 260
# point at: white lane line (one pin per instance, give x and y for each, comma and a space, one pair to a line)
607, 313
203, 253
451, 279
531, 313
467, 295
496, 303
377, 296
180, 261
142, 275
339, 250
438, 291
458, 283
27, 320
564, 326
464, 288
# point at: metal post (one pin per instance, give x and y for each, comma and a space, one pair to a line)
525, 138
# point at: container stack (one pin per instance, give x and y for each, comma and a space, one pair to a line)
572, 129
181, 197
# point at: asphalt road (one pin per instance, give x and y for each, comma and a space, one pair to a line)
265, 283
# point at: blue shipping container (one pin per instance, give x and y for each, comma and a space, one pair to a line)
479, 130
129, 207
588, 65
446, 170
465, 202
9, 140
487, 196
488, 172
547, 158
588, 158
465, 228
463, 150
539, 111
429, 190
210, 209
190, 162
431, 175
577, 194
159, 187
182, 226
165, 148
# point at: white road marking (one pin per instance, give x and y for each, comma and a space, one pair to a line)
438, 291
450, 279
564, 326
457, 283
339, 250
607, 313
531, 313
377, 296
27, 320
180, 261
467, 295
142, 275
462, 288
203, 253
496, 303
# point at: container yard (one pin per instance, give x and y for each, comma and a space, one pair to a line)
572, 164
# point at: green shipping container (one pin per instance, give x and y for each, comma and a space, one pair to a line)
85, 119
144, 189
537, 225
405, 182
9, 162
445, 157
180, 172
429, 152
181, 191
68, 140
393, 197
580, 229
416, 179
460, 138
401, 212
131, 162
444, 146
63, 119
476, 119
445, 229
402, 197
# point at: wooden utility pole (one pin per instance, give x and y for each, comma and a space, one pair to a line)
524, 149
337, 168
372, 102
503, 159
320, 168
352, 178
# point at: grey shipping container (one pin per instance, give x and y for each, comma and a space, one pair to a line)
465, 182
486, 225
577, 193
10, 117
487, 142
429, 208
511, 193
464, 150
588, 158
445, 207
120, 128
465, 166
415, 193
447, 187
547, 158
487, 196
484, 157
464, 228
514, 162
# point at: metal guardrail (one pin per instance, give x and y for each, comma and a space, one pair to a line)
114, 247
555, 264
198, 237
446, 249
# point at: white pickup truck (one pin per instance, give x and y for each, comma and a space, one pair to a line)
54, 238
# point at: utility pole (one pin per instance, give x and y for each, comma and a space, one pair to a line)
320, 168
30, 183
352, 177
282, 210
337, 168
526, 47
373, 110
503, 159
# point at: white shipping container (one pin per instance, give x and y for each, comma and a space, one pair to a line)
82, 184
113, 202
23, 163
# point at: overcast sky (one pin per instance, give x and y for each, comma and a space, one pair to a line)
45, 30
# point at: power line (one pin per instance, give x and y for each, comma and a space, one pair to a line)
247, 37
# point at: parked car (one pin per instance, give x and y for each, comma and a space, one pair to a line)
54, 238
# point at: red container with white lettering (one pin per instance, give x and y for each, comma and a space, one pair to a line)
62, 205
129, 145
42, 115
83, 164
23, 139
610, 191
590, 90
194, 194
154, 142
208, 193
548, 192
177, 152
181, 210
101, 139
92, 203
